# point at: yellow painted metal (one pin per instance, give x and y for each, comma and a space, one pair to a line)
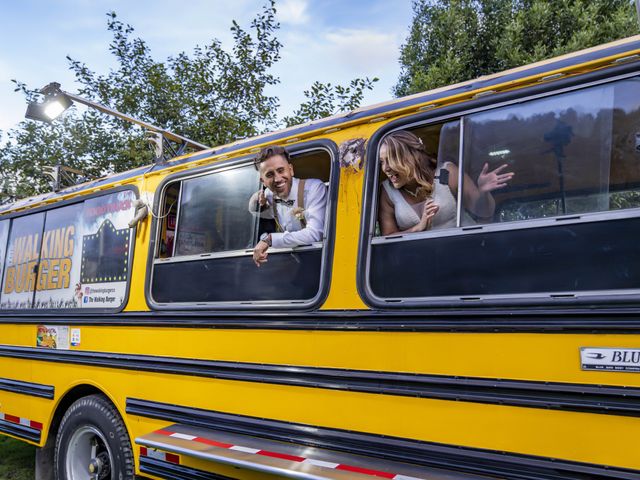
147, 187
547, 433
515, 356
518, 356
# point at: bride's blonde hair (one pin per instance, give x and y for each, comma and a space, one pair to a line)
406, 154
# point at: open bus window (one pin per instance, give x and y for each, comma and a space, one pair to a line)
204, 255
573, 153
169, 215
4, 235
574, 195
410, 158
570, 154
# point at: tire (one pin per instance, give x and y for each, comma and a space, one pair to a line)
92, 438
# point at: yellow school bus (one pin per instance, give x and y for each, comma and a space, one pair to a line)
501, 347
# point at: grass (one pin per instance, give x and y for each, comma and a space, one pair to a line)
17, 459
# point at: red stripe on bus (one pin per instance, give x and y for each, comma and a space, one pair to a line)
366, 471
36, 425
11, 418
284, 456
349, 468
212, 442
173, 458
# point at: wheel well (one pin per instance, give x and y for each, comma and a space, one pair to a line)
44, 455
66, 401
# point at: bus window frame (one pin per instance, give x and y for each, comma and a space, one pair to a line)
460, 111
3, 258
326, 245
179, 201
80, 312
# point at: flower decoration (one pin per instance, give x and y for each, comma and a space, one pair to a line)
298, 213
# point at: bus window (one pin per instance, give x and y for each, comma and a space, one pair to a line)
21, 262
4, 235
106, 250
204, 255
573, 195
442, 142
80, 259
60, 261
169, 215
414, 156
573, 153
213, 212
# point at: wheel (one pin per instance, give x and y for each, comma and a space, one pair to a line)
92, 443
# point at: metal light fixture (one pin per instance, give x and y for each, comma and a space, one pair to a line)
56, 101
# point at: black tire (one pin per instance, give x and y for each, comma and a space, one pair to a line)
93, 422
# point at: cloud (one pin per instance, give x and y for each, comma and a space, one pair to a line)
293, 12
336, 56
367, 51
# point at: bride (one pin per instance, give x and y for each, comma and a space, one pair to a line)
410, 199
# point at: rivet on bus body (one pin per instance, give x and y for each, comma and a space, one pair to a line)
377, 119
291, 140
431, 106
551, 77
331, 130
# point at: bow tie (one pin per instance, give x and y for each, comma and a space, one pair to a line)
288, 203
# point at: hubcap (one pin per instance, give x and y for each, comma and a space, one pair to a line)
88, 456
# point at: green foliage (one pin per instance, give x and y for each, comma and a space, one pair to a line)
88, 142
628, 199
324, 100
210, 95
455, 40
17, 459
551, 207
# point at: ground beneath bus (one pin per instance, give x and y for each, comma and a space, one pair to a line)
17, 460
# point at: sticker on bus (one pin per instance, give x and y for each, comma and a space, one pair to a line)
52, 336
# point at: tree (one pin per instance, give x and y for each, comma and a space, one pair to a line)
324, 100
210, 95
455, 40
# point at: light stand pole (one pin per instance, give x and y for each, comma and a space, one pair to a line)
57, 101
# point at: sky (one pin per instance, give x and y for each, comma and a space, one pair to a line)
330, 41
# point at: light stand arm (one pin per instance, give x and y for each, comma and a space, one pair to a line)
147, 126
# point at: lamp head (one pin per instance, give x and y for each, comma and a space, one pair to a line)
55, 102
